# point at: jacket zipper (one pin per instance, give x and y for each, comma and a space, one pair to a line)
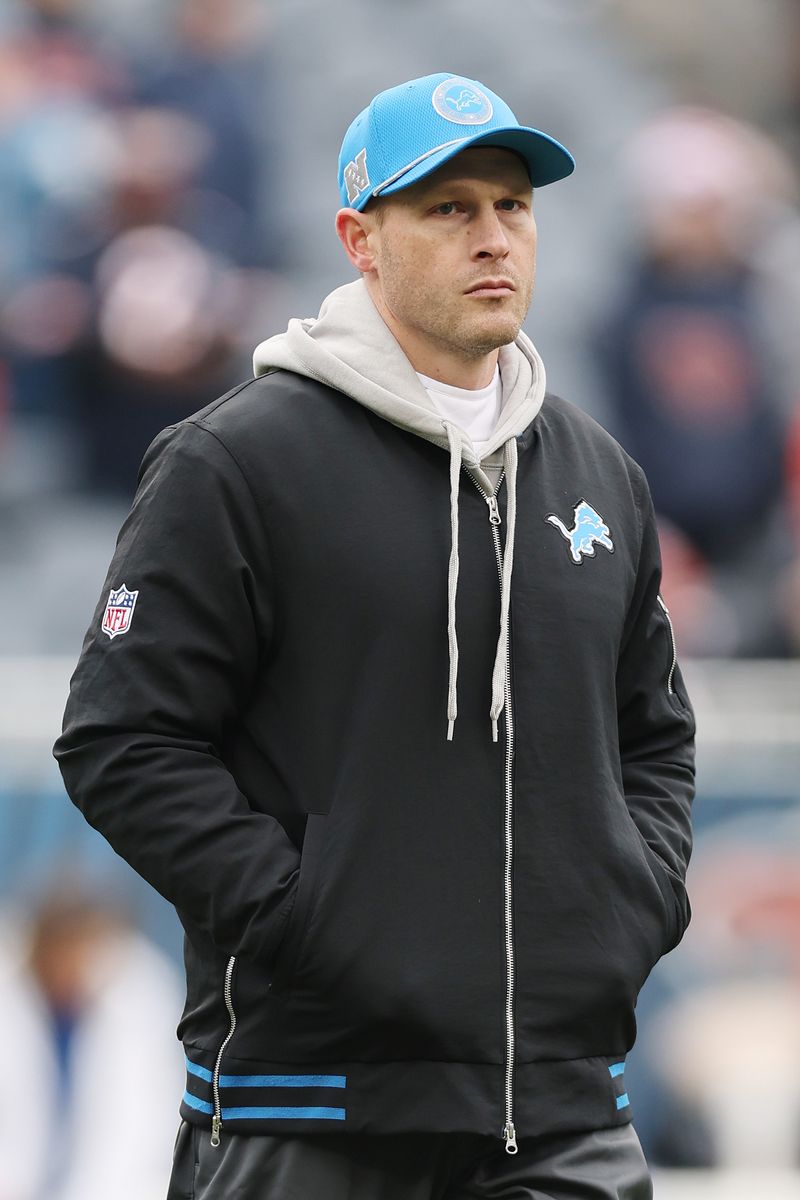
674, 663
509, 1132
216, 1120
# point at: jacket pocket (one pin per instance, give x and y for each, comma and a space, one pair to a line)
667, 884
386, 950
290, 948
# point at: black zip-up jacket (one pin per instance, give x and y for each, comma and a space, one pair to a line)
386, 930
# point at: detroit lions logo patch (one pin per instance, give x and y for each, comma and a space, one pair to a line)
459, 101
589, 530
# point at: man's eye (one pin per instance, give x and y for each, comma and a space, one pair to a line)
446, 208
509, 205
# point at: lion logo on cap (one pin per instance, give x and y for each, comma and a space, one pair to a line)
460, 101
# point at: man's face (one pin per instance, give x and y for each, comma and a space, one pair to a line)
436, 242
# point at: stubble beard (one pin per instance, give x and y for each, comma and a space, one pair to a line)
445, 322
476, 338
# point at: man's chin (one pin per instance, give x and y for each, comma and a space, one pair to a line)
493, 335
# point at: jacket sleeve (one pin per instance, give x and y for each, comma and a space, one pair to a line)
149, 709
655, 719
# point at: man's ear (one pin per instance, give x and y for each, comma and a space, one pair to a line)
354, 229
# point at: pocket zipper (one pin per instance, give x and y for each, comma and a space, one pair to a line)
671, 675
216, 1120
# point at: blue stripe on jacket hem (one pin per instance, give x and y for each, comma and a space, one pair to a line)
251, 1081
246, 1114
284, 1081
317, 1114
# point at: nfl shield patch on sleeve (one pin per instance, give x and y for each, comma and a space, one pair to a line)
119, 611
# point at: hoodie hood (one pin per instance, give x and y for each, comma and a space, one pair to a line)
350, 348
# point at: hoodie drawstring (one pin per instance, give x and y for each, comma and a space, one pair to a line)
452, 579
499, 672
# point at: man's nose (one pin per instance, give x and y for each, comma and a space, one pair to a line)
489, 235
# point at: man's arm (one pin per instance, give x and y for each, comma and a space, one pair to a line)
149, 709
655, 718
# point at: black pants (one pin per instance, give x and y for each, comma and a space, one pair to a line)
607, 1164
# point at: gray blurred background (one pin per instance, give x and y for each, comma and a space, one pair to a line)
167, 194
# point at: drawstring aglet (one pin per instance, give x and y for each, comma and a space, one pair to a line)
450, 727
494, 729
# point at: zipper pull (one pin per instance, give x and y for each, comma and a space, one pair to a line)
510, 1138
216, 1125
494, 514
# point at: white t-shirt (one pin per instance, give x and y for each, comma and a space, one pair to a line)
475, 411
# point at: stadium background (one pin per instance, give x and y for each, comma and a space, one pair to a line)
167, 190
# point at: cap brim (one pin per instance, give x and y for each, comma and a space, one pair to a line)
547, 159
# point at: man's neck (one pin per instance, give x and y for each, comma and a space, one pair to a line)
444, 368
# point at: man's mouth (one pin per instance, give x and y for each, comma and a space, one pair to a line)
491, 289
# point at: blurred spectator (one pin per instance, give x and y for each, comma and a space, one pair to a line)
691, 370
180, 289
78, 988
170, 320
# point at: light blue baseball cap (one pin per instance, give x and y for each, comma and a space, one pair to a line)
408, 131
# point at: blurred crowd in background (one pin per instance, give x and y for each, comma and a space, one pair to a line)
167, 191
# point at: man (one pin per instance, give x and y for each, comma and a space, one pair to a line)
381, 695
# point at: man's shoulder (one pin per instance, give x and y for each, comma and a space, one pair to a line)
256, 402
259, 419
265, 417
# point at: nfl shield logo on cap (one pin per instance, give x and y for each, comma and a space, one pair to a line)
119, 611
